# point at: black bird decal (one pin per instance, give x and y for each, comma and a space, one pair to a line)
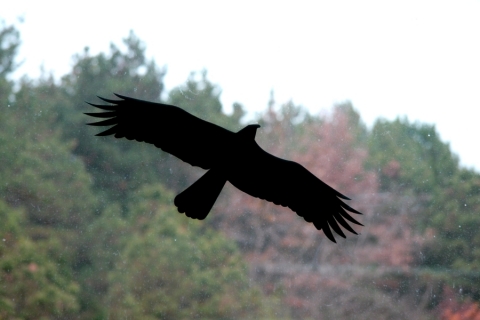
228, 156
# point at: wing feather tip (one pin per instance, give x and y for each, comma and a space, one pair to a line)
103, 107
333, 224
341, 196
331, 238
108, 122
346, 206
121, 96
109, 100
93, 104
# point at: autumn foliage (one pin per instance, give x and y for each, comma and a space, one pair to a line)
468, 311
452, 309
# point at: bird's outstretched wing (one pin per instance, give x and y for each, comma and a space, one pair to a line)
289, 184
164, 126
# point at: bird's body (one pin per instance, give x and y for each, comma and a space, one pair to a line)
228, 156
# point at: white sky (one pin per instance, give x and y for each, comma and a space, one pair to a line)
415, 58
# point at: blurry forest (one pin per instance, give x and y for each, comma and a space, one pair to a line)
88, 229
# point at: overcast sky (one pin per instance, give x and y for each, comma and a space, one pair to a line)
415, 58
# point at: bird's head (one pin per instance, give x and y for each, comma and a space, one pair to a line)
249, 131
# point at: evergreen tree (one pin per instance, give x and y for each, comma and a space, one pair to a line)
175, 268
410, 157
33, 284
117, 166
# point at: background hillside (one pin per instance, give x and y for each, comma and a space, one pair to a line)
88, 228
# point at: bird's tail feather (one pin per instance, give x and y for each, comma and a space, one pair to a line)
197, 200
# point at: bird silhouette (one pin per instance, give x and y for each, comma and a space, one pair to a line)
228, 156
